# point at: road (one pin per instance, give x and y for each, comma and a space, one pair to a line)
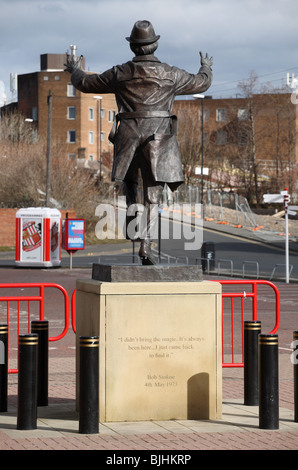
227, 246
237, 252
233, 252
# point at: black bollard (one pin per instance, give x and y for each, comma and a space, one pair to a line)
3, 366
268, 382
89, 382
27, 382
295, 365
252, 329
41, 328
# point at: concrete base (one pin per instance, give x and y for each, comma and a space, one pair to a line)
160, 348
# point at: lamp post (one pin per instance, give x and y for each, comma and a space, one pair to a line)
98, 113
48, 174
202, 149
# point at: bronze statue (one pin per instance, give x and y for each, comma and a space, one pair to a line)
144, 134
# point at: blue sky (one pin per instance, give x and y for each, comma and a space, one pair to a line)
241, 35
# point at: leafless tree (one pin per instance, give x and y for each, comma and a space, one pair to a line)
23, 172
248, 89
189, 139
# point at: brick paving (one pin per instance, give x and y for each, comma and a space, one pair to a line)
57, 427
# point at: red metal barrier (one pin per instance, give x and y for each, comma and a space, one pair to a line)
252, 315
233, 335
73, 310
40, 298
242, 296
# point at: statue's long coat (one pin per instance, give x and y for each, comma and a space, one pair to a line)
145, 89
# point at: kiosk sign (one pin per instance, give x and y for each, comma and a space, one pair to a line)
38, 237
74, 234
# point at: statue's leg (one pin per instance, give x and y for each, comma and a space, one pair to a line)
152, 197
130, 189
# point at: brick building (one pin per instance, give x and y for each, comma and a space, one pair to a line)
80, 121
259, 130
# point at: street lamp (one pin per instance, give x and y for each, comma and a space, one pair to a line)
49, 137
98, 113
202, 145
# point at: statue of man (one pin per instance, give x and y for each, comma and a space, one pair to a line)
144, 134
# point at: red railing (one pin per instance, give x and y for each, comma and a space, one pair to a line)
73, 310
234, 316
39, 297
232, 334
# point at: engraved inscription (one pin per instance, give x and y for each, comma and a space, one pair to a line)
160, 348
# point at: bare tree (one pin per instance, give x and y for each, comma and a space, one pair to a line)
16, 128
189, 138
248, 89
23, 173
281, 131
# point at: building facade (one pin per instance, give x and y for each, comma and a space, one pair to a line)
81, 122
244, 139
255, 135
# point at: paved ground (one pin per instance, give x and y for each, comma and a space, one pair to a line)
57, 427
237, 430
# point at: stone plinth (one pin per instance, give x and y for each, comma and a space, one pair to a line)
137, 273
160, 348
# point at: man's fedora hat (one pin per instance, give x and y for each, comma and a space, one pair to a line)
142, 33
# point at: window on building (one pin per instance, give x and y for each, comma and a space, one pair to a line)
91, 158
221, 137
71, 91
71, 112
91, 137
221, 114
112, 115
206, 115
91, 114
57, 78
71, 137
242, 138
72, 156
81, 152
243, 114
102, 136
34, 113
102, 113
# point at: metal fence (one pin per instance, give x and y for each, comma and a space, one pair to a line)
19, 305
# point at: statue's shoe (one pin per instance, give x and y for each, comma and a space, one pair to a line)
146, 255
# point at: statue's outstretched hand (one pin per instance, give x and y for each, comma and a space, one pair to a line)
72, 63
206, 60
